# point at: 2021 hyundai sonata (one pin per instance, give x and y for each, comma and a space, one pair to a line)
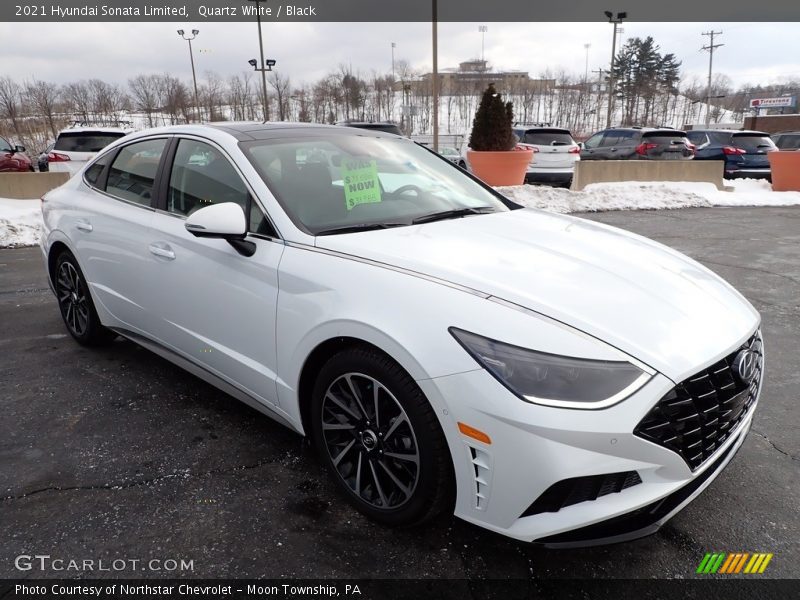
545, 377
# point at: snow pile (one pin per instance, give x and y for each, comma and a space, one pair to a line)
638, 195
20, 222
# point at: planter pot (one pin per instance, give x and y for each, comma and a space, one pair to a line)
785, 167
500, 168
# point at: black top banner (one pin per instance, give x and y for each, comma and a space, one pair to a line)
196, 11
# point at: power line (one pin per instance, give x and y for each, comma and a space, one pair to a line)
711, 47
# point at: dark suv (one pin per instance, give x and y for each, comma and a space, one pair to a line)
638, 143
744, 152
787, 140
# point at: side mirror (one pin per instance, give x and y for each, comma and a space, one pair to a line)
19, 148
224, 221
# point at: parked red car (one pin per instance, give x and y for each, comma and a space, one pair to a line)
13, 158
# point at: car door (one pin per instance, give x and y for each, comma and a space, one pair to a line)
109, 226
212, 305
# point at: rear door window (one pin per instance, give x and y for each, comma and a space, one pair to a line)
85, 141
133, 172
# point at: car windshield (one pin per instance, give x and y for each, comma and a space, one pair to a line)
335, 183
85, 141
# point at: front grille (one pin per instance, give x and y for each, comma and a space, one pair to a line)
696, 417
581, 489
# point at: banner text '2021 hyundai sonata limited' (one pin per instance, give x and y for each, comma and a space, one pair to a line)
545, 377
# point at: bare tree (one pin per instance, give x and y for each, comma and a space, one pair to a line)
145, 91
43, 97
280, 83
10, 102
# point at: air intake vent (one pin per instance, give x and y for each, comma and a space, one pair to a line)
482, 467
581, 489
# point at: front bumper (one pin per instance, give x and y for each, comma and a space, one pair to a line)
534, 447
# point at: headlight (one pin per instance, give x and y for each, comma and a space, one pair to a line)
551, 379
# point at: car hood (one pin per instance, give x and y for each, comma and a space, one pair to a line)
648, 300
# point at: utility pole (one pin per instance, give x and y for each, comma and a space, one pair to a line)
615, 21
586, 75
711, 47
393, 75
599, 72
435, 82
482, 29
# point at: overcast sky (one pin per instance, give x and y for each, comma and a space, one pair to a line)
61, 52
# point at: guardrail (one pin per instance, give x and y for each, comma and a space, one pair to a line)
602, 171
22, 186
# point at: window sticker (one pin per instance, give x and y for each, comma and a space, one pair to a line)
361, 183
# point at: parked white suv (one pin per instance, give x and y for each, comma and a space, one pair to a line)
77, 145
555, 153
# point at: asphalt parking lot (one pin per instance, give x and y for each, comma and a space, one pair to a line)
115, 453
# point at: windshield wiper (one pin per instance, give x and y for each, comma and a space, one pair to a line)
359, 227
452, 214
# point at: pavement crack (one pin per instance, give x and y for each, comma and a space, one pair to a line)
774, 445
747, 268
138, 483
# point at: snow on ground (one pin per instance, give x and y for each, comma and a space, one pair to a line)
638, 195
20, 222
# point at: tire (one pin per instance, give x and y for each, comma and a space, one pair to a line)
75, 303
396, 468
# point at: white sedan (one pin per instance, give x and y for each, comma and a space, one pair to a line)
545, 377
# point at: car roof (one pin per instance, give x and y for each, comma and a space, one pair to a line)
248, 131
733, 131
99, 129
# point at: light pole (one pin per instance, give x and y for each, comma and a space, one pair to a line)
482, 29
615, 21
435, 86
182, 33
266, 66
393, 75
263, 68
586, 75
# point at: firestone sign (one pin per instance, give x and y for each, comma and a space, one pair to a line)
782, 102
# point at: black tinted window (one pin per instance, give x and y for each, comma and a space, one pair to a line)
133, 172
620, 138
93, 172
720, 137
85, 141
698, 137
664, 138
547, 138
753, 142
202, 176
789, 142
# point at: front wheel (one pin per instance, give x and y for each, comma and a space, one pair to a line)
380, 439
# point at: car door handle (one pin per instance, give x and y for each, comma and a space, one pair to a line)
163, 250
84, 226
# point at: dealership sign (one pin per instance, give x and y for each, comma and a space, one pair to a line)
782, 102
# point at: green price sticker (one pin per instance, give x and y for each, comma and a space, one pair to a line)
361, 183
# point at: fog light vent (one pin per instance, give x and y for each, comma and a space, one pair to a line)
482, 469
581, 489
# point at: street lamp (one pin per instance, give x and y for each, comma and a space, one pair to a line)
393, 75
482, 29
263, 68
615, 21
269, 63
182, 33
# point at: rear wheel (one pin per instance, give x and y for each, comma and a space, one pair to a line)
75, 303
380, 439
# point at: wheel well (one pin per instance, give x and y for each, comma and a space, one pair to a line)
55, 251
318, 357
